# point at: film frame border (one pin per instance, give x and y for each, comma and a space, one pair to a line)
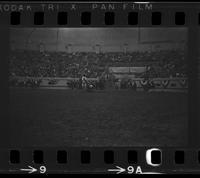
98, 10
97, 163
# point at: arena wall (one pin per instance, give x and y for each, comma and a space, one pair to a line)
160, 84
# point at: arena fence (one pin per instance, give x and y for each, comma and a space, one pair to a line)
164, 84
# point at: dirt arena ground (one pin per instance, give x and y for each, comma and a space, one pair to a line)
43, 117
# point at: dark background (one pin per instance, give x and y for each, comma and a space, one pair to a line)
194, 121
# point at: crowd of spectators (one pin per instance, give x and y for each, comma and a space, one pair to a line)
166, 63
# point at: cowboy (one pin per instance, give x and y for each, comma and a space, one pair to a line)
84, 82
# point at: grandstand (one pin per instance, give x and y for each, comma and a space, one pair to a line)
132, 65
42, 54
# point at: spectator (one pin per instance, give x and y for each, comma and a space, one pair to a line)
164, 63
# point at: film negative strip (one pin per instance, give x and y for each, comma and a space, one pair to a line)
99, 87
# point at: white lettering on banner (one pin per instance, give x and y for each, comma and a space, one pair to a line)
127, 69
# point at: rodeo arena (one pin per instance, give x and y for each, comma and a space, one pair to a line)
86, 93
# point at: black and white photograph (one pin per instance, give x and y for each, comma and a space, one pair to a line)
98, 87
